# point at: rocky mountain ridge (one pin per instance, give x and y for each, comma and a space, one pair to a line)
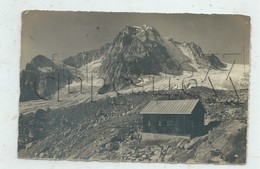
134, 52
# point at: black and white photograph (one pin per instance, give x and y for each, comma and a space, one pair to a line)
134, 87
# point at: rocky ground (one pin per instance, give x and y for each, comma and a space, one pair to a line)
110, 129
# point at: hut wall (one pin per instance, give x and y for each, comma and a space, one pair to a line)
178, 124
198, 127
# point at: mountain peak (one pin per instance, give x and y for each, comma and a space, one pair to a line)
144, 34
41, 61
140, 50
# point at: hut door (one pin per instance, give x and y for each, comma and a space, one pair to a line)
179, 124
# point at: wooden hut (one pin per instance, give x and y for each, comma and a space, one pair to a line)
184, 117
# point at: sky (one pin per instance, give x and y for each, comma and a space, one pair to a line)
68, 33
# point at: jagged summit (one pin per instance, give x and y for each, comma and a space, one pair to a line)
143, 33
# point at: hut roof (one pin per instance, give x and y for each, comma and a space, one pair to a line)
170, 107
